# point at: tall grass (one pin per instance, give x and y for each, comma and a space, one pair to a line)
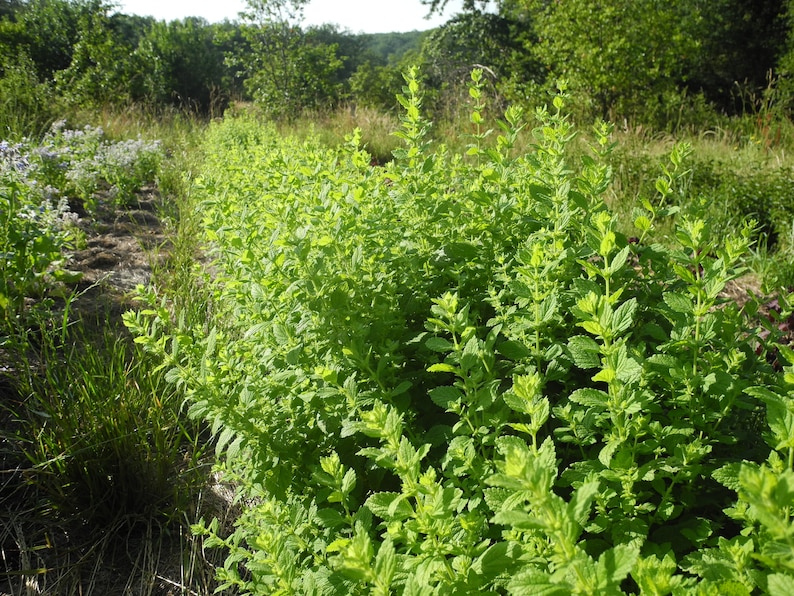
105, 473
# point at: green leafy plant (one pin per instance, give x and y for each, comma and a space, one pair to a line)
35, 229
454, 374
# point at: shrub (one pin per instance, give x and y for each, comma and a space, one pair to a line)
452, 374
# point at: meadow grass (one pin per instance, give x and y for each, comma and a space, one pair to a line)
104, 472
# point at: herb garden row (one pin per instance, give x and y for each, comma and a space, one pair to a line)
455, 374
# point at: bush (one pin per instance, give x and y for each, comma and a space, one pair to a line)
26, 107
452, 374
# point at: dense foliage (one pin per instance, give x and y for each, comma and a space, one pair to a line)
43, 185
452, 374
646, 62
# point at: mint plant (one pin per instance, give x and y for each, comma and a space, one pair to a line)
456, 374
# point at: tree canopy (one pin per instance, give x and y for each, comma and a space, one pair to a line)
622, 59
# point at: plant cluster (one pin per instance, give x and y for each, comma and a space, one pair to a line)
85, 164
728, 187
40, 182
35, 227
454, 375
97, 455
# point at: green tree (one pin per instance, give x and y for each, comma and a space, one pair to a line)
9, 7
376, 86
103, 68
46, 30
188, 67
744, 40
477, 40
285, 69
625, 57
639, 59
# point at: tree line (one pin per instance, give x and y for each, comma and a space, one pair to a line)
645, 61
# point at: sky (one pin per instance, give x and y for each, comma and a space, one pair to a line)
367, 16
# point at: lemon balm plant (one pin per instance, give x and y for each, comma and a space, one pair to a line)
454, 375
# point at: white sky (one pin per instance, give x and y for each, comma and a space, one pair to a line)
368, 16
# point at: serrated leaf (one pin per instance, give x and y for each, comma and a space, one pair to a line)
590, 397
471, 354
223, 439
233, 450
678, 303
499, 559
445, 395
607, 452
515, 403
389, 506
537, 583
623, 316
728, 475
779, 584
616, 563
628, 370
579, 506
513, 350
439, 344
642, 223
593, 327
585, 351
348, 482
518, 519
620, 259
330, 518
787, 353
385, 565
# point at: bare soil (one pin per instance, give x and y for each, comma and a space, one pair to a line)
122, 248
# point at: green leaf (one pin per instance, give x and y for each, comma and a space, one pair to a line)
779, 584
348, 482
389, 506
445, 395
585, 351
678, 303
537, 583
519, 520
616, 563
590, 397
513, 350
500, 559
385, 565
628, 370
623, 316
330, 518
579, 506
642, 223
779, 415
728, 475
608, 451
620, 259
442, 367
439, 344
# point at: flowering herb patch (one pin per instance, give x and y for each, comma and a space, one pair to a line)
453, 375
40, 186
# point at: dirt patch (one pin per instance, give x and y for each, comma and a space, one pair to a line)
122, 250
